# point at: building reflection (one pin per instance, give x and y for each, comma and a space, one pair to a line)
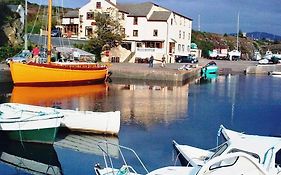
141, 104
145, 104
70, 97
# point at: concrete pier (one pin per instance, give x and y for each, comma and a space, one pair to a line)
169, 74
263, 69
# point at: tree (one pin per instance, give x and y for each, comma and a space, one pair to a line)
107, 33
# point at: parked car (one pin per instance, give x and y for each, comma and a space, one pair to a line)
186, 59
20, 57
56, 33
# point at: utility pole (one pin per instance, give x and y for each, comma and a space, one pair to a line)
199, 27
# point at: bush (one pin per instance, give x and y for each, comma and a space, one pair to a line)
6, 52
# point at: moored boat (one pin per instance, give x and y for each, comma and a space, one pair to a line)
93, 122
238, 162
29, 123
210, 68
54, 74
266, 150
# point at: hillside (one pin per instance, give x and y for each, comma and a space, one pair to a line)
209, 41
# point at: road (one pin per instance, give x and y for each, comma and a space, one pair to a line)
56, 41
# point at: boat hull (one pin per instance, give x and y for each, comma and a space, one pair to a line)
29, 123
93, 122
210, 70
47, 135
55, 74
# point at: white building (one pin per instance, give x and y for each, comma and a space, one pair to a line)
149, 28
70, 23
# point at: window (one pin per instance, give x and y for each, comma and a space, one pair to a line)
135, 20
179, 47
135, 32
155, 32
183, 35
183, 47
122, 16
171, 21
180, 34
90, 15
98, 5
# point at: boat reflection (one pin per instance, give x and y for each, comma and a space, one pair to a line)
207, 78
88, 143
30, 158
67, 97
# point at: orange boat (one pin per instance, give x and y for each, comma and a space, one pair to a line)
54, 74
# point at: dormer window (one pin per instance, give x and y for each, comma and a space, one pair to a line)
98, 5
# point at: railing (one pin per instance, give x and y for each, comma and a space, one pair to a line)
150, 50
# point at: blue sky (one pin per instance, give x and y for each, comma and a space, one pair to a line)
218, 16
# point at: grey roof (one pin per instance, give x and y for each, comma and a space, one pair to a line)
160, 16
141, 9
71, 14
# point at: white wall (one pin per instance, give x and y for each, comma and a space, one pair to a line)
91, 7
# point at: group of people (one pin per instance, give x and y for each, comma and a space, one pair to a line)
151, 59
36, 53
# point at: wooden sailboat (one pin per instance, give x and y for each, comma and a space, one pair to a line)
54, 74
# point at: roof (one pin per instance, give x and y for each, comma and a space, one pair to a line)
142, 10
138, 10
13, 8
160, 16
71, 14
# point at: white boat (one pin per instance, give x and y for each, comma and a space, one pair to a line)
275, 73
29, 123
234, 55
257, 56
239, 162
266, 150
89, 121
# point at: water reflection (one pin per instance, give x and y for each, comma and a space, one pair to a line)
88, 143
30, 158
148, 104
145, 104
70, 97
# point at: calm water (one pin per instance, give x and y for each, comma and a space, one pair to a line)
152, 116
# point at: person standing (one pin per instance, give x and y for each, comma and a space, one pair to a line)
151, 59
76, 55
163, 61
35, 53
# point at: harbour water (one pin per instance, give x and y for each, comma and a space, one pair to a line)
152, 116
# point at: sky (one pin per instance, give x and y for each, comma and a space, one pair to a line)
217, 16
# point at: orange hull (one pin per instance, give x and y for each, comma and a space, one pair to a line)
57, 74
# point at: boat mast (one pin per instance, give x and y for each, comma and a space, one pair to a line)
237, 45
25, 26
49, 30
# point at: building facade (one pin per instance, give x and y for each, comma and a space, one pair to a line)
150, 30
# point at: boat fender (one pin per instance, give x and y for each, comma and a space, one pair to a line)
123, 170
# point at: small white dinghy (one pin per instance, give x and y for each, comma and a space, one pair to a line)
89, 121
29, 123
